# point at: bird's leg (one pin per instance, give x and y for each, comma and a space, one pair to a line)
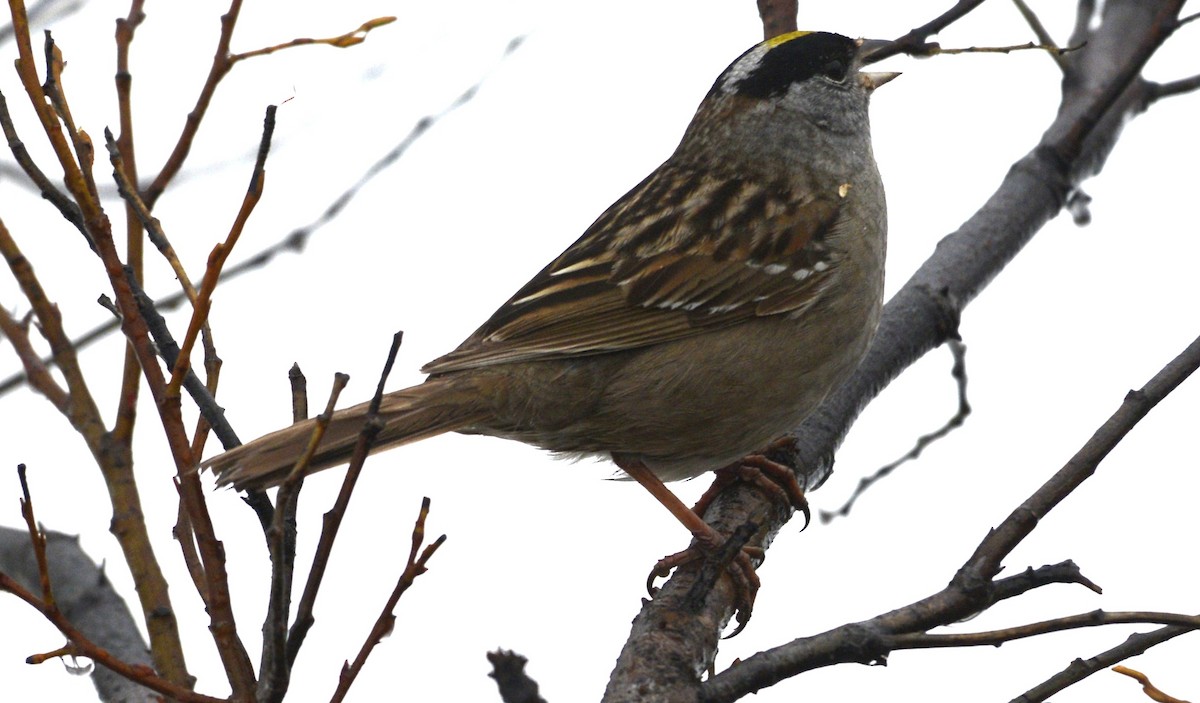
746, 582
772, 478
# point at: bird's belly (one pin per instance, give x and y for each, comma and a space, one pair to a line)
691, 405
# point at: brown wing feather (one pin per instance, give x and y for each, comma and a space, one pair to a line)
682, 252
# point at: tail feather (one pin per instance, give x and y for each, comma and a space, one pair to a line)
408, 415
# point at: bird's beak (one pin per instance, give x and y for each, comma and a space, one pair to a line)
870, 51
871, 81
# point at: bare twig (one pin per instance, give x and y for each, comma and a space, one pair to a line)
66, 207
778, 16
87, 599
1148, 688
995, 638
1050, 48
915, 41
1039, 31
332, 520
959, 373
36, 537
1062, 572
220, 66
275, 669
1172, 88
973, 588
40, 378
355, 36
113, 457
223, 62
275, 665
216, 260
133, 201
1080, 669
82, 646
82, 143
295, 241
387, 620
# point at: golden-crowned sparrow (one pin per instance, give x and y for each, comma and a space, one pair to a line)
705, 313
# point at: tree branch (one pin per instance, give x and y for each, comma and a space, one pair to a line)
1097, 99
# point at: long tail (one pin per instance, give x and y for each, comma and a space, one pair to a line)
436, 406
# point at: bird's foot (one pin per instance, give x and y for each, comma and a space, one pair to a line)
772, 478
710, 545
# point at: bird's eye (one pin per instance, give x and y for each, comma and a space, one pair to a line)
834, 70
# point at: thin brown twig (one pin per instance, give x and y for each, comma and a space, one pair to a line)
778, 17
355, 36
186, 537
125, 156
82, 646
222, 625
39, 375
331, 521
65, 206
111, 456
237, 664
84, 150
274, 667
224, 61
27, 71
220, 253
36, 537
153, 227
183, 145
294, 241
300, 468
50, 323
166, 346
387, 620
1151, 691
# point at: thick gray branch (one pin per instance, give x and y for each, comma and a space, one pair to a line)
88, 600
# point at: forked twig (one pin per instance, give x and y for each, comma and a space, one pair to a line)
959, 373
387, 620
36, 537
331, 521
974, 587
84, 647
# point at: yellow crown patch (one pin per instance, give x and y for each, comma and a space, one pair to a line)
784, 38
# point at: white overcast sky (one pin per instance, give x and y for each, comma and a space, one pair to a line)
549, 558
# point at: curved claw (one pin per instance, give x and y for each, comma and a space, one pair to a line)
804, 509
745, 581
743, 617
662, 569
777, 480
